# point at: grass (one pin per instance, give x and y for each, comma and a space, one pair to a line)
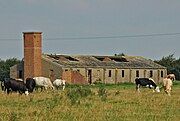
122, 103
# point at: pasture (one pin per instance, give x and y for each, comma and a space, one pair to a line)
97, 103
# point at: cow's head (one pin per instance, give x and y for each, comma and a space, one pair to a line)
157, 89
171, 76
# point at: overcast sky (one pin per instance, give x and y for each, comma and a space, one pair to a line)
118, 22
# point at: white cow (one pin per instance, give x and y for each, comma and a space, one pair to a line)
59, 82
43, 82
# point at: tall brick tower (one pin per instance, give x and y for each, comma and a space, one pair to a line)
32, 54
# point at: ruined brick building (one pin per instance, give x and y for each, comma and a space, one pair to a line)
83, 69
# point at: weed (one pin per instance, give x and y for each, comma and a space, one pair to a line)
13, 116
102, 92
76, 93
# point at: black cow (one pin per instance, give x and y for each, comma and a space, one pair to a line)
146, 82
30, 84
15, 85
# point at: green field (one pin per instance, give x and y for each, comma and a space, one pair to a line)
96, 103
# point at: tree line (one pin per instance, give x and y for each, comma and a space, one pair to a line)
5, 67
172, 64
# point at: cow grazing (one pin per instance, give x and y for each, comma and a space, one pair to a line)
16, 86
43, 82
146, 82
30, 84
59, 82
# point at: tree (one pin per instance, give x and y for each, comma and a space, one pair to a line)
172, 64
167, 61
5, 67
120, 54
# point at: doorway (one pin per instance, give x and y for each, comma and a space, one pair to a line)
89, 75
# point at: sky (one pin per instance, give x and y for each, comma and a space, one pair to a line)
92, 27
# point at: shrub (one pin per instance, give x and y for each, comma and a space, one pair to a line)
98, 81
76, 93
102, 92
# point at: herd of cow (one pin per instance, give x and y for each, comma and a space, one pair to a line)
27, 86
150, 83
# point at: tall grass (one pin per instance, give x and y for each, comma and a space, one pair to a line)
122, 103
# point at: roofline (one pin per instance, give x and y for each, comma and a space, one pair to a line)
85, 66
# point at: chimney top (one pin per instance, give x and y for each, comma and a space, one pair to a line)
32, 32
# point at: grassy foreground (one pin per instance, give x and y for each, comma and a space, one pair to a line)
120, 103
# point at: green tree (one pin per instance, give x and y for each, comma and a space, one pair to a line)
120, 54
167, 61
5, 67
172, 64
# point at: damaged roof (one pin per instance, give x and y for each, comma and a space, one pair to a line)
92, 61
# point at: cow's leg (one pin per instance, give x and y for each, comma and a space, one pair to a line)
37, 88
137, 87
150, 86
8, 90
5, 89
168, 92
57, 87
52, 87
154, 90
45, 87
42, 88
63, 87
20, 92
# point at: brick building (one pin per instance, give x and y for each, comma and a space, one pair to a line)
82, 69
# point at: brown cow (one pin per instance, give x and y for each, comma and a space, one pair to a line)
167, 83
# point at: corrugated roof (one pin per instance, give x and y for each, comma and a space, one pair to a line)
81, 61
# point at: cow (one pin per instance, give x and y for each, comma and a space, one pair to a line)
30, 84
43, 82
59, 82
171, 76
168, 83
16, 86
146, 82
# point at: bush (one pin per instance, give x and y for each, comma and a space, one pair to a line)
76, 94
98, 81
102, 92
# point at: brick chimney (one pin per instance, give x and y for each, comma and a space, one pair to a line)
32, 54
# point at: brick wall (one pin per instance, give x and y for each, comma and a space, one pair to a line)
73, 77
32, 54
